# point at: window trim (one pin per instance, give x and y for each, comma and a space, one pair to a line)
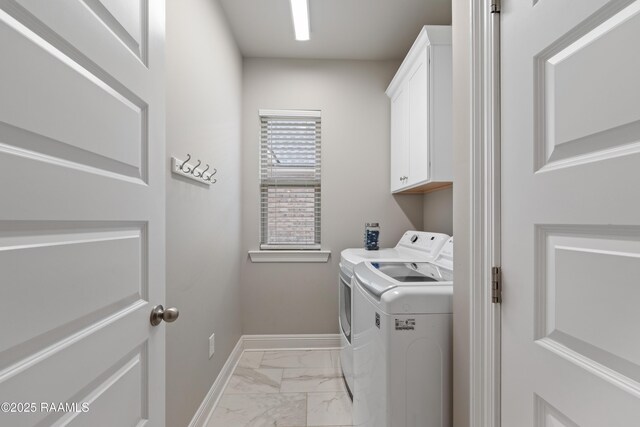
262, 255
290, 113
269, 247
286, 253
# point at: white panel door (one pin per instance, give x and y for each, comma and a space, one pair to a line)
571, 213
82, 216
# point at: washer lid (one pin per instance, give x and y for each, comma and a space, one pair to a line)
351, 257
445, 256
378, 278
402, 288
412, 272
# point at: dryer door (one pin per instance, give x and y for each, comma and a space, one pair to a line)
345, 305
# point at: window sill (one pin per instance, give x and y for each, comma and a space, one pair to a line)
289, 256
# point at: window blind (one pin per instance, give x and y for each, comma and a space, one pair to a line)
290, 189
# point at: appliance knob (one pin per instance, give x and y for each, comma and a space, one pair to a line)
414, 238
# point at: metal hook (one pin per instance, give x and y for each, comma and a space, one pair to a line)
202, 174
215, 171
184, 164
193, 171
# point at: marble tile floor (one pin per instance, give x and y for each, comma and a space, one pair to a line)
288, 388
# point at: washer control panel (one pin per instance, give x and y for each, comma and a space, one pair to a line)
423, 241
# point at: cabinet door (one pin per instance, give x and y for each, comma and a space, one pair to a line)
419, 163
399, 140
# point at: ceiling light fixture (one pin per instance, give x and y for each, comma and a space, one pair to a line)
300, 13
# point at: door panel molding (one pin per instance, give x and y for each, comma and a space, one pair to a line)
22, 381
34, 253
127, 375
548, 416
588, 334
32, 46
136, 39
565, 78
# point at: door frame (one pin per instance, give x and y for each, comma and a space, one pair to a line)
482, 241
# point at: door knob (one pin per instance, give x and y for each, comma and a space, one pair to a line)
159, 313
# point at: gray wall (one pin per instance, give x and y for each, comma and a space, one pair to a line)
461, 209
204, 92
286, 298
438, 211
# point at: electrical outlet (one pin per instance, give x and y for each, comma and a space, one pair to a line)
212, 345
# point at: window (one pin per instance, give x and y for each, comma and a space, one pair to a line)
290, 179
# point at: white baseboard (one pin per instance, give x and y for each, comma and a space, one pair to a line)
291, 342
253, 343
203, 413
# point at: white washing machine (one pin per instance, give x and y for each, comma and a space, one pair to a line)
414, 246
402, 343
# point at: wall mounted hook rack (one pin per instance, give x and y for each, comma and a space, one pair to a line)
203, 175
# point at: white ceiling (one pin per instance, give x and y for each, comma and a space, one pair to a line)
340, 29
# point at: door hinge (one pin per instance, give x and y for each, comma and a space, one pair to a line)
495, 6
496, 285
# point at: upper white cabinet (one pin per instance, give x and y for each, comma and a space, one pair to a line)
420, 93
